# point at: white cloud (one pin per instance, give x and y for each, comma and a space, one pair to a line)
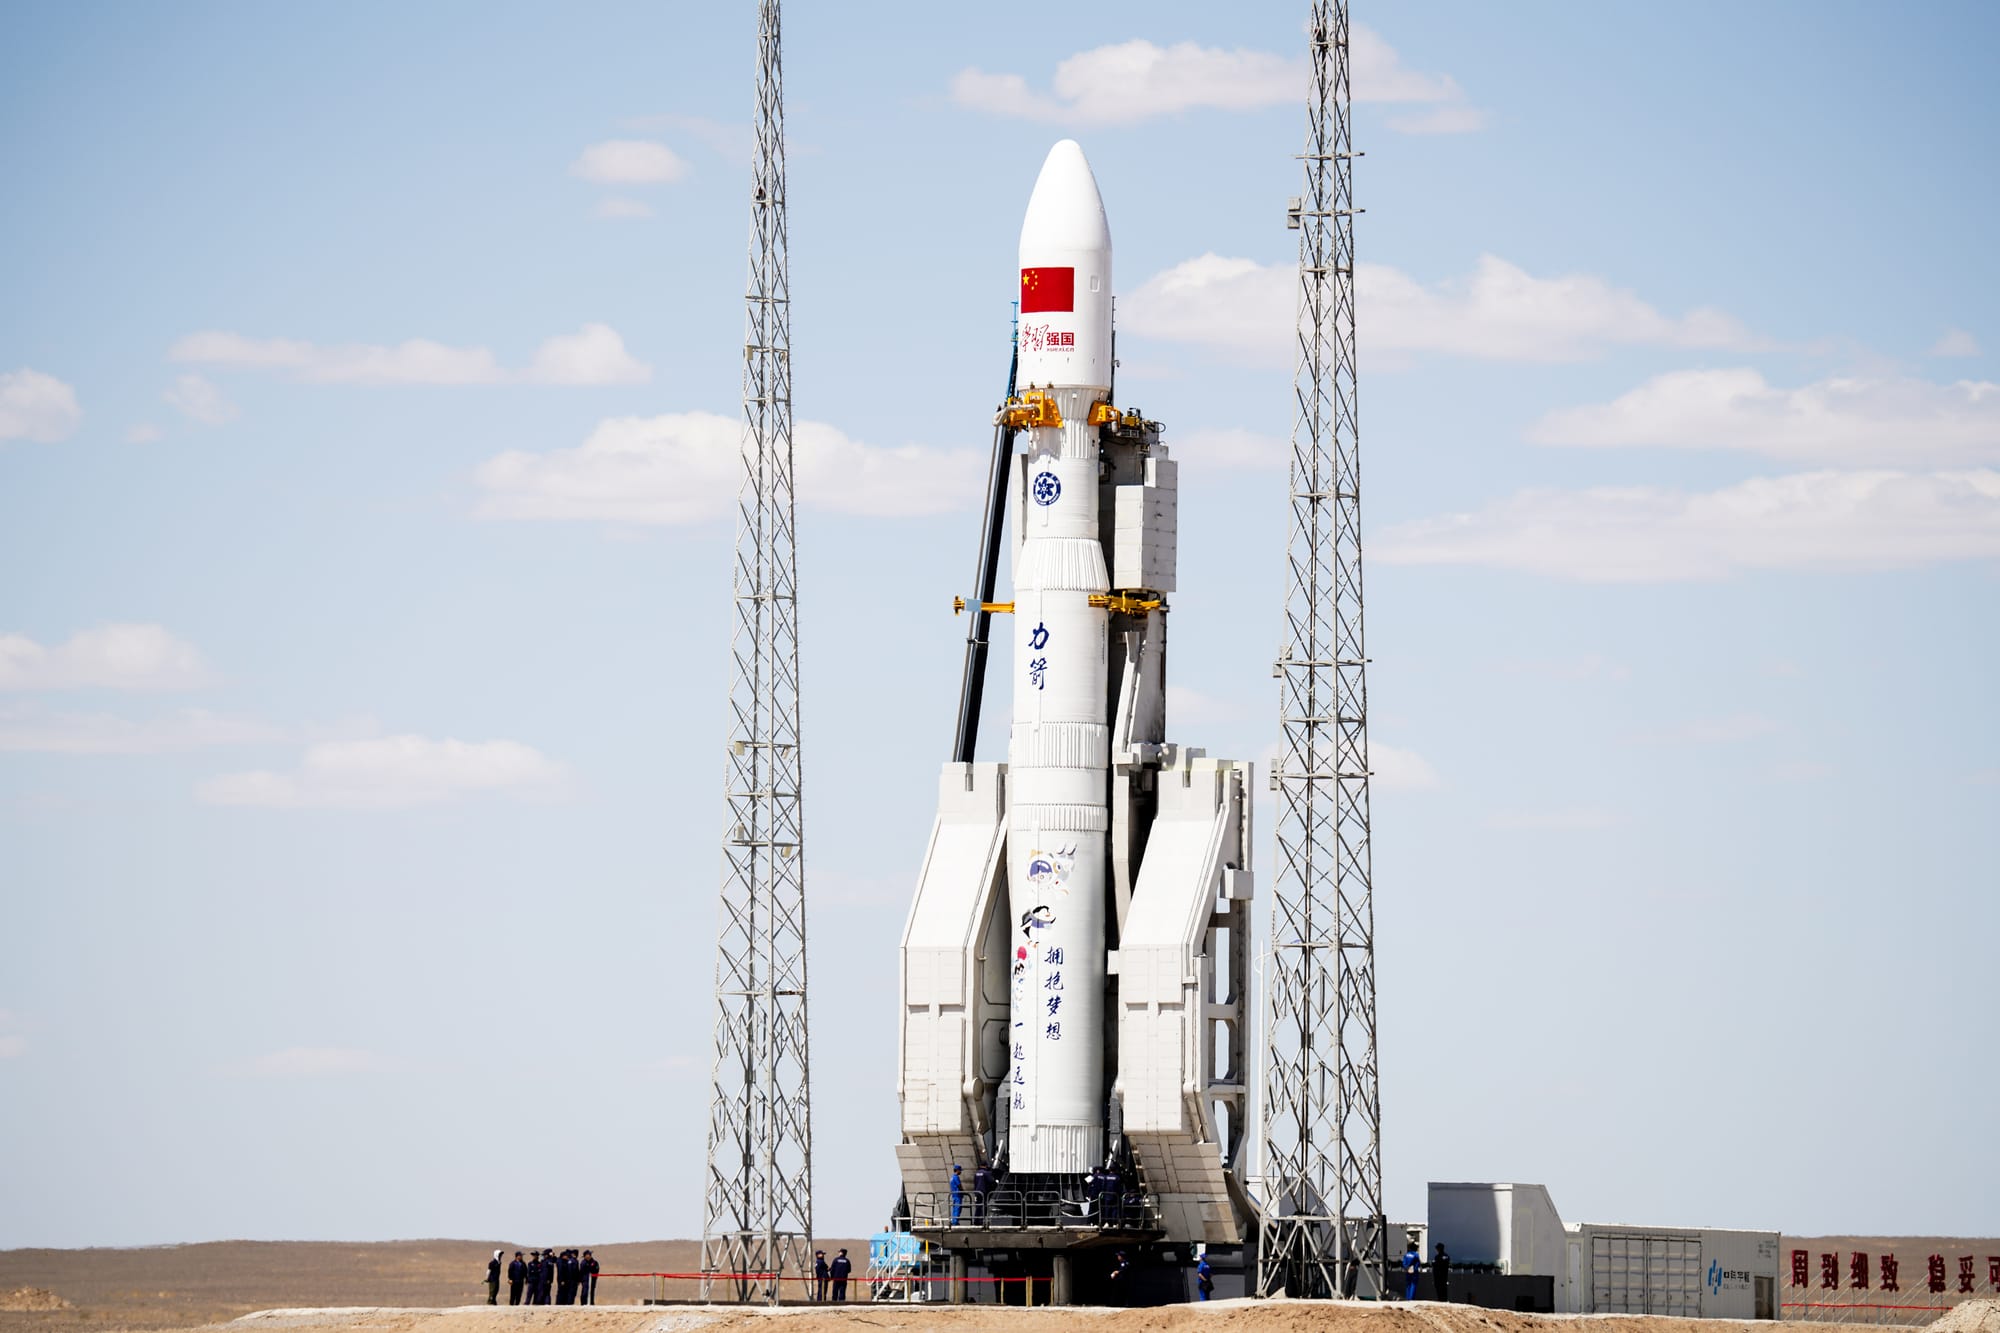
594, 355
317, 1062
1817, 521
1129, 82
1394, 769
110, 657
1135, 81
617, 207
417, 361
392, 772
629, 162
728, 138
1379, 74
143, 433
31, 730
1955, 342
1855, 422
38, 407
1575, 819
198, 400
1238, 305
683, 468
1500, 313
13, 1047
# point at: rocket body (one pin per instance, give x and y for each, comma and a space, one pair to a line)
1059, 746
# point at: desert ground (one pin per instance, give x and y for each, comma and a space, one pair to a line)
187, 1286
437, 1286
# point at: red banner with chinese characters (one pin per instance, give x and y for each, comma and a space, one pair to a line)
1889, 1280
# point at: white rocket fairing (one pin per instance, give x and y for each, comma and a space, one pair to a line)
1058, 752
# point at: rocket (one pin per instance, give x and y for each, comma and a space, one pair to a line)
1074, 1008
1058, 750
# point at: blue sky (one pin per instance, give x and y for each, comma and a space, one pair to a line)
368, 378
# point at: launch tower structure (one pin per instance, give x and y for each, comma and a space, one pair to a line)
757, 1205
1322, 1231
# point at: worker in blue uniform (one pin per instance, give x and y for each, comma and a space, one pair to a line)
1411, 1262
983, 1178
1121, 1280
517, 1277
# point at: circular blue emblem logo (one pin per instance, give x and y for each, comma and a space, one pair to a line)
1047, 489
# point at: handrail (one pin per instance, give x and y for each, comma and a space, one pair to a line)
1035, 1209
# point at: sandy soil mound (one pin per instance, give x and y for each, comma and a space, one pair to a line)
32, 1298
1979, 1315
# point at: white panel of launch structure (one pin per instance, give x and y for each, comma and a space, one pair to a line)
954, 992
1182, 1115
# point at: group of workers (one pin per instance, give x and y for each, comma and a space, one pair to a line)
569, 1277
1440, 1273
544, 1277
1103, 1193
830, 1279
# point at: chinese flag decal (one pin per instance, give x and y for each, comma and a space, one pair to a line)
1048, 289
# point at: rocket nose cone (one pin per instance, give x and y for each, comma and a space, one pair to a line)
1065, 212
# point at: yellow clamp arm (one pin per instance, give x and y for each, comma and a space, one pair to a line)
958, 605
1034, 407
1129, 603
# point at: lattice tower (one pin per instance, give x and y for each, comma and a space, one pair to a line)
1323, 1231
757, 1208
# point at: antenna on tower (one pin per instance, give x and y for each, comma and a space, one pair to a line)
1323, 1231
757, 1207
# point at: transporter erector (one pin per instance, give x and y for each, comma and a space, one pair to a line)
1075, 993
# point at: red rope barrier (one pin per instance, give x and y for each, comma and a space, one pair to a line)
731, 1275
852, 1277
1859, 1305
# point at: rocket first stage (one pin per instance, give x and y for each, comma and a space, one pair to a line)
1074, 1025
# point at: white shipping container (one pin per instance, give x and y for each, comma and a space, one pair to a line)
1685, 1272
